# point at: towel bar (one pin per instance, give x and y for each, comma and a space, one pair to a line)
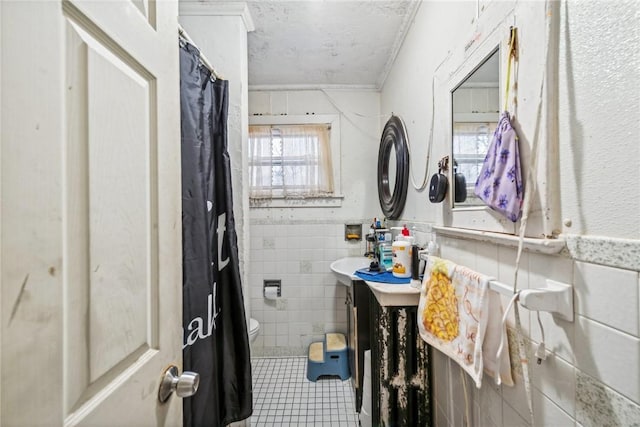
555, 297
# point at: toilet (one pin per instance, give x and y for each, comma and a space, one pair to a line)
254, 329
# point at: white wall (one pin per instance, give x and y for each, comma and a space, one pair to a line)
359, 120
591, 375
599, 101
297, 245
408, 90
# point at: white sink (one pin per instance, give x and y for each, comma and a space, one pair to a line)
386, 294
344, 268
394, 295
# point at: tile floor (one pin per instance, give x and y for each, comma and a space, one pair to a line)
283, 396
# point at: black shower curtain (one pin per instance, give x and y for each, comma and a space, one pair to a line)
215, 341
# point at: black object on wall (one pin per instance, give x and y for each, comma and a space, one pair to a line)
438, 187
394, 136
215, 340
459, 185
439, 184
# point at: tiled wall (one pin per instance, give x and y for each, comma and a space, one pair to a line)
312, 303
591, 376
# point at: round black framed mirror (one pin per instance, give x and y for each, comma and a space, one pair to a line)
393, 144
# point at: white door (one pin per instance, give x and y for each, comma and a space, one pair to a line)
91, 290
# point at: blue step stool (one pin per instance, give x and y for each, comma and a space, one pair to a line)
328, 357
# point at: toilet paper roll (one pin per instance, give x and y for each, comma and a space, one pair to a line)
271, 292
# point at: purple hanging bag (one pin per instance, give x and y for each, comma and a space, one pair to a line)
499, 183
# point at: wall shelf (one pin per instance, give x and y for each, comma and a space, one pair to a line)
545, 246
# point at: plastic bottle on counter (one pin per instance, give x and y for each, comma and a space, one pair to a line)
401, 250
386, 256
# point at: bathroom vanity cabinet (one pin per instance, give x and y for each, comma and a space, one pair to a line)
359, 337
400, 390
399, 367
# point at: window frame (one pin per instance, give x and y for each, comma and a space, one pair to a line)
477, 160
333, 121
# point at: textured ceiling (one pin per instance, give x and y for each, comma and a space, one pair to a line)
316, 43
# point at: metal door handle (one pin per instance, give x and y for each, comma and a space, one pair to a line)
184, 385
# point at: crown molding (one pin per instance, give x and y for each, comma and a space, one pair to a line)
295, 87
399, 41
218, 8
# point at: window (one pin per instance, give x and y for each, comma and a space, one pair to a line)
291, 161
470, 144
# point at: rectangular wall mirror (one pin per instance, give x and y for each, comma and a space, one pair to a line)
475, 112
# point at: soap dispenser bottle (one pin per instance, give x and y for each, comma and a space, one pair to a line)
401, 250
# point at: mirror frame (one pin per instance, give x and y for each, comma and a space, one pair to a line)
480, 64
393, 136
474, 217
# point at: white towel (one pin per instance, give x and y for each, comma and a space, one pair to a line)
499, 370
459, 315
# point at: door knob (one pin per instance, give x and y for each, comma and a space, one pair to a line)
184, 385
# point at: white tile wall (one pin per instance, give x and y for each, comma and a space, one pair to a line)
312, 302
547, 413
556, 379
559, 335
511, 418
602, 344
458, 385
608, 295
601, 347
516, 397
609, 355
489, 405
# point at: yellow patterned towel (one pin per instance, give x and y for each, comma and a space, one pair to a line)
440, 315
453, 315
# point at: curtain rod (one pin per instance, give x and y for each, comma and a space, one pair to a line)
203, 59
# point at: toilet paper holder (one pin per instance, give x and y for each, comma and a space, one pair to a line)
267, 284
